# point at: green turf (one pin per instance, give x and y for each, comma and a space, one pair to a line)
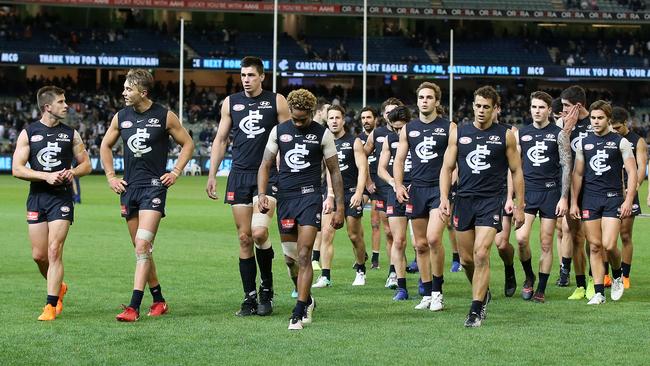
196, 255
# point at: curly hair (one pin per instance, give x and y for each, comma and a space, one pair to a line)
301, 99
488, 92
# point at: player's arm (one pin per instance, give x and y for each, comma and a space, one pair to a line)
332, 163
180, 135
219, 148
361, 161
576, 180
270, 156
641, 161
382, 167
81, 156
282, 108
514, 163
448, 167
19, 167
629, 161
369, 147
106, 156
398, 167
564, 149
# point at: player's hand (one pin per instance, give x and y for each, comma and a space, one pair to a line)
168, 179
356, 200
444, 209
371, 187
626, 209
66, 176
562, 207
575, 212
211, 188
54, 178
571, 118
337, 218
118, 185
518, 216
263, 203
509, 206
402, 194
328, 205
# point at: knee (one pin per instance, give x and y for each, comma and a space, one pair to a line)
421, 247
547, 248
481, 256
304, 259
354, 236
595, 248
290, 262
626, 238
434, 243
245, 240
260, 235
399, 243
55, 249
39, 257
466, 259
523, 244
374, 223
142, 246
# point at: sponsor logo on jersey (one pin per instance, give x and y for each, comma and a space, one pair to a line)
379, 204
389, 210
265, 104
126, 124
346, 145
550, 136
63, 136
238, 107
37, 138
311, 137
286, 137
381, 139
526, 138
153, 122
610, 144
585, 214
288, 223
414, 133
465, 140
394, 145
589, 146
32, 215
230, 196
409, 208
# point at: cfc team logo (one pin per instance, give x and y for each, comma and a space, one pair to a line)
136, 142
295, 158
576, 141
249, 124
597, 162
424, 150
536, 153
341, 157
476, 161
47, 156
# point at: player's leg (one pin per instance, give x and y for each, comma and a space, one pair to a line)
57, 231
38, 236
375, 223
507, 254
484, 236
565, 251
398, 227
355, 233
389, 245
305, 241
575, 239
327, 234
243, 214
435, 229
159, 306
423, 255
523, 242
453, 243
593, 230
627, 227
611, 228
546, 230
264, 255
465, 240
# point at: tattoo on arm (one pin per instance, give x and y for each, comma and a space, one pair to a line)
564, 148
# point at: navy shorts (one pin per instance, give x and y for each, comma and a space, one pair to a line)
543, 202
302, 210
423, 200
452, 193
135, 199
596, 207
351, 212
49, 206
381, 196
396, 209
470, 212
636, 207
242, 187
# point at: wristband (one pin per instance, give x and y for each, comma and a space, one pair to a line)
174, 173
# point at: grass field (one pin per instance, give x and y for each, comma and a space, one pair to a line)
196, 255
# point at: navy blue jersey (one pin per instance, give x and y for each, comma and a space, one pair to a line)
540, 156
253, 118
301, 156
146, 144
482, 160
393, 140
379, 136
603, 160
633, 138
580, 131
427, 145
347, 163
50, 150
363, 136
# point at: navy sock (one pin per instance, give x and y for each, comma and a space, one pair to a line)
136, 299
315, 255
626, 269
375, 257
361, 268
606, 264
428, 288
248, 273
566, 264
299, 310
600, 289
437, 284
476, 306
455, 257
401, 283
581, 281
52, 300
265, 262
509, 269
616, 273
391, 269
528, 268
543, 279
326, 273
156, 292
